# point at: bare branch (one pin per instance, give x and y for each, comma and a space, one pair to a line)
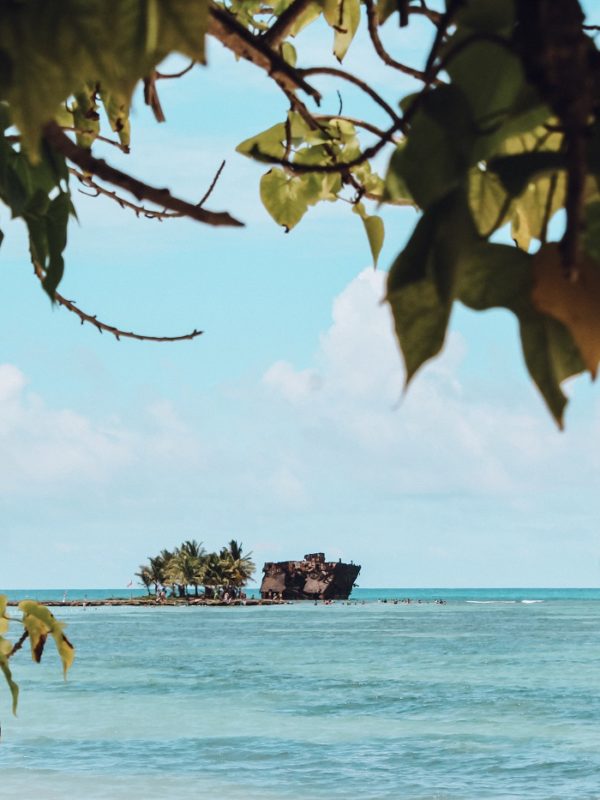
161, 76
425, 11
142, 191
102, 326
285, 22
152, 99
214, 181
348, 76
380, 49
358, 123
138, 210
224, 27
19, 644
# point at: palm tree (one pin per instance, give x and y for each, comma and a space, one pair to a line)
197, 555
145, 576
214, 575
237, 565
185, 570
157, 568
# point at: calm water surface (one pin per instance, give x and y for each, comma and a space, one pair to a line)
485, 697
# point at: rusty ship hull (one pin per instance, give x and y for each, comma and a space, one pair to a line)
310, 579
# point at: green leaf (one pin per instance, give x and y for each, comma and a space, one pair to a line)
39, 622
288, 53
517, 171
54, 46
5, 648
486, 16
420, 320
499, 276
287, 197
269, 143
374, 229
550, 356
116, 105
491, 78
438, 151
310, 14
421, 282
395, 186
344, 17
86, 120
57, 219
385, 9
488, 201
3, 617
495, 276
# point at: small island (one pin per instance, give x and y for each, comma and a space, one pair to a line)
310, 579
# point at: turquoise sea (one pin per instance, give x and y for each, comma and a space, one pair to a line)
495, 694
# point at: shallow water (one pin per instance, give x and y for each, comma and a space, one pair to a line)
378, 700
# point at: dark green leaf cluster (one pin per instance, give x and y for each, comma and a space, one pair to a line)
483, 151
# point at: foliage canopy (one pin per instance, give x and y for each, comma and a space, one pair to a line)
502, 135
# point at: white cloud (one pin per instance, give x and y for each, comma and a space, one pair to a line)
294, 385
49, 450
436, 437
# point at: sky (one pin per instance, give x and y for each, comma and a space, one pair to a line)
284, 425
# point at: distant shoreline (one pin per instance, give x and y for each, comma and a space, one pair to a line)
152, 603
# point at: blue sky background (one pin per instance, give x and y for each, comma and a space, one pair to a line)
283, 425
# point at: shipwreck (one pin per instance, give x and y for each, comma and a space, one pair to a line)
310, 579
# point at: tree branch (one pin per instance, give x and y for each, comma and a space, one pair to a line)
102, 326
284, 23
224, 27
142, 191
18, 645
380, 49
348, 76
138, 210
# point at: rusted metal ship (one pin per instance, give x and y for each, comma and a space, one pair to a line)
310, 579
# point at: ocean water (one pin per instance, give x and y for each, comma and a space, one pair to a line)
495, 694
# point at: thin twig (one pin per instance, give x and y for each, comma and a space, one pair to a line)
214, 181
18, 645
423, 10
161, 76
142, 191
348, 76
358, 123
102, 326
143, 211
152, 99
380, 49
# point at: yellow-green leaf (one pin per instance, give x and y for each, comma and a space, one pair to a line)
5, 648
374, 229
287, 197
344, 17
40, 623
